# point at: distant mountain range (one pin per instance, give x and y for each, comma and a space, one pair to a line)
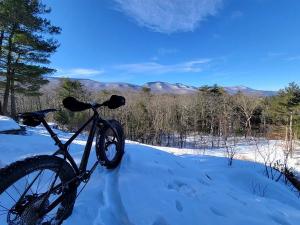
156, 87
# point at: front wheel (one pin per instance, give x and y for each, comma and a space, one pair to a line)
30, 188
110, 144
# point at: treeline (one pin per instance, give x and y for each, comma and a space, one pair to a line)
172, 120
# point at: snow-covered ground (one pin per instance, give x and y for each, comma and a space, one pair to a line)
168, 186
6, 123
250, 149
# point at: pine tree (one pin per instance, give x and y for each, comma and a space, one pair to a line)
64, 117
25, 48
285, 107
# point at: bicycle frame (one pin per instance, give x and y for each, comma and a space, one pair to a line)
63, 147
81, 172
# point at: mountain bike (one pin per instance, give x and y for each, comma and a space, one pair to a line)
42, 189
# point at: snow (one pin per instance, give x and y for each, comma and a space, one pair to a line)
164, 87
7, 123
251, 149
168, 186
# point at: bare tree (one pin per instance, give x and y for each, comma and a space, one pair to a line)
247, 105
269, 155
230, 151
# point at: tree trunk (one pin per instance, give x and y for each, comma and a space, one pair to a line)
1, 42
13, 110
1, 112
6, 95
12, 99
8, 74
265, 127
249, 127
291, 135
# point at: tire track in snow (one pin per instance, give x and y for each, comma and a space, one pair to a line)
113, 211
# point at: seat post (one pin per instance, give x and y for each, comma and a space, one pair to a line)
52, 134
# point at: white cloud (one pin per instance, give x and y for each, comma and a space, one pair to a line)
293, 58
282, 56
169, 16
275, 54
167, 51
78, 73
162, 52
237, 14
157, 68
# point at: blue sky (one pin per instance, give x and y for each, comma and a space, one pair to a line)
255, 43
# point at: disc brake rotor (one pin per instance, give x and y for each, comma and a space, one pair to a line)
28, 212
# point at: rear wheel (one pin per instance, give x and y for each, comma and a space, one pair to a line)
26, 196
109, 146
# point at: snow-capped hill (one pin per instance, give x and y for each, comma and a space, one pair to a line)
164, 87
94, 86
168, 186
156, 87
184, 86
238, 88
248, 91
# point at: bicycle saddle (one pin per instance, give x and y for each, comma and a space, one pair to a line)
33, 119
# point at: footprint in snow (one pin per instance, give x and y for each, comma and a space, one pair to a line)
208, 177
182, 187
237, 199
101, 198
217, 212
126, 159
201, 181
279, 220
179, 206
170, 172
160, 221
180, 165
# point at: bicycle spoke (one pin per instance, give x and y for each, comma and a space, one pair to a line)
16, 189
3, 207
10, 196
39, 181
50, 216
40, 189
28, 185
47, 183
3, 214
51, 184
27, 188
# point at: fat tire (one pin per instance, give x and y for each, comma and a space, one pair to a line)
15, 171
100, 145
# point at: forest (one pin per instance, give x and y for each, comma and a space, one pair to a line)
172, 120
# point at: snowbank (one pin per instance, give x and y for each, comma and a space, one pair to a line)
7, 124
158, 188
169, 187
